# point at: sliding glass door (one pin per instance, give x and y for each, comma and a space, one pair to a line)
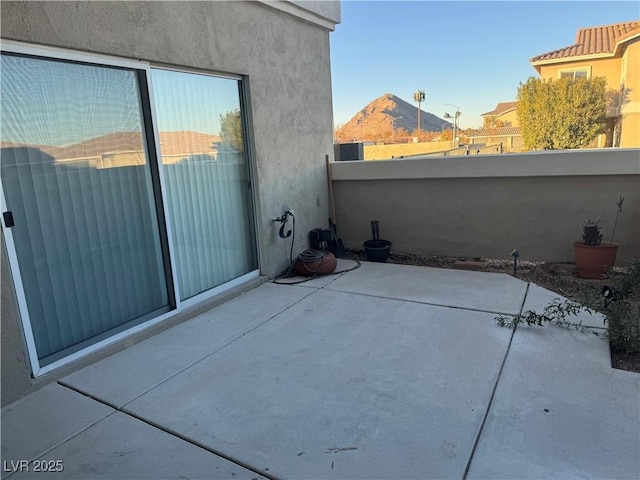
77, 184
207, 178
126, 190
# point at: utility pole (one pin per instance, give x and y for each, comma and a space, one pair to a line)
419, 97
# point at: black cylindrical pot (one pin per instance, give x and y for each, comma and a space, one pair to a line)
377, 250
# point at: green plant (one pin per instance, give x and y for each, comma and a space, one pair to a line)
622, 310
563, 113
619, 304
555, 313
591, 232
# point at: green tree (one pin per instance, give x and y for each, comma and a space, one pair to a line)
561, 114
231, 130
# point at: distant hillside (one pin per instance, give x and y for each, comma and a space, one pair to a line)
180, 143
374, 121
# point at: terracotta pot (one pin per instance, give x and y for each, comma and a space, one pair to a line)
593, 261
324, 265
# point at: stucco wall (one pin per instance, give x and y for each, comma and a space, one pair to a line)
15, 369
630, 135
604, 67
487, 206
510, 119
383, 152
285, 58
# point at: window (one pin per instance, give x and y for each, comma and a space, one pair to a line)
581, 73
94, 249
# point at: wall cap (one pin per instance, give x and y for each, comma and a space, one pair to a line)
532, 164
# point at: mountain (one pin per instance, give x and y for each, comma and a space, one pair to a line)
178, 143
374, 120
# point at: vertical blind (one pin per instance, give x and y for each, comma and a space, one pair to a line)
206, 176
90, 236
76, 177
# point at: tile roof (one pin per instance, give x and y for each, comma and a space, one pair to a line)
502, 107
593, 40
496, 132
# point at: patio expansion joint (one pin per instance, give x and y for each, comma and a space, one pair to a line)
243, 334
155, 425
441, 305
70, 437
493, 392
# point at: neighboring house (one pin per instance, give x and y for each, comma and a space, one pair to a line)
500, 128
613, 52
146, 148
509, 138
504, 115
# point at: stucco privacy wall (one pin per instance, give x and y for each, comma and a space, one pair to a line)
384, 152
282, 48
485, 207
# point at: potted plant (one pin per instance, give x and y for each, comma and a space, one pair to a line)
377, 250
593, 256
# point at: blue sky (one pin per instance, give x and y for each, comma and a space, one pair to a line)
473, 54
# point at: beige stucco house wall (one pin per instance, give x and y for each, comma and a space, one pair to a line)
507, 136
282, 51
630, 105
510, 118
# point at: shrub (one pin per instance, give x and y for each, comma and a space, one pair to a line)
617, 303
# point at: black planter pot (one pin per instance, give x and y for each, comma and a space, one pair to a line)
377, 250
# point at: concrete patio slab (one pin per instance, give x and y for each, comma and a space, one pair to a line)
44, 419
492, 292
120, 378
314, 382
538, 298
126, 448
342, 386
561, 412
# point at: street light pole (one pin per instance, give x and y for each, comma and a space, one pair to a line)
455, 123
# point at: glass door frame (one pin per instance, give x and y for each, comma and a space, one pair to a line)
143, 71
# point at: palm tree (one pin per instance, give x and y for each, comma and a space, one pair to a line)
419, 97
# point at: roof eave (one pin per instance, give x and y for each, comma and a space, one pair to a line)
622, 41
573, 58
494, 114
